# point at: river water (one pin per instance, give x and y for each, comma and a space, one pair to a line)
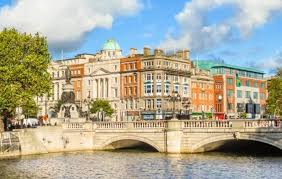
138, 164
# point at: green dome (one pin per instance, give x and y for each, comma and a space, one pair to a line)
111, 44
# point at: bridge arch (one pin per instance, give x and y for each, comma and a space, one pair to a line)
200, 147
133, 138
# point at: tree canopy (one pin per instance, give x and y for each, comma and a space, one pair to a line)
101, 104
24, 60
274, 101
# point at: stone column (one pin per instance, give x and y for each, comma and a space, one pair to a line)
101, 88
98, 90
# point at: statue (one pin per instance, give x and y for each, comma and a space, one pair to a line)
67, 112
68, 75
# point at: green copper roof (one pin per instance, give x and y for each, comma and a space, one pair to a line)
208, 64
111, 44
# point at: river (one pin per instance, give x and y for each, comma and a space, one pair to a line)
139, 164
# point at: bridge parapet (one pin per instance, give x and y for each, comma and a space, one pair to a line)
130, 125
207, 124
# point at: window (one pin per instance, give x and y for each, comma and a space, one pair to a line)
116, 80
159, 88
135, 90
149, 77
149, 88
255, 95
130, 90
229, 81
247, 83
78, 83
230, 106
115, 67
175, 78
262, 85
248, 94
159, 103
89, 94
166, 77
255, 84
185, 80
229, 93
115, 91
176, 88
167, 86
262, 96
89, 70
159, 76
239, 93
185, 89
89, 82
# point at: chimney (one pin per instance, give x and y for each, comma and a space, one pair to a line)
184, 54
133, 52
158, 52
147, 51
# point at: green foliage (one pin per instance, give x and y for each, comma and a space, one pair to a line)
24, 60
101, 104
243, 115
274, 101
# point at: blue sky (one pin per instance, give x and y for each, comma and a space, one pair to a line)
212, 30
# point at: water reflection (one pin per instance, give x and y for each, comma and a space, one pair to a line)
136, 164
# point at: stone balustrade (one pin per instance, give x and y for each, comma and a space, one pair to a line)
79, 126
262, 124
187, 124
111, 125
150, 124
207, 124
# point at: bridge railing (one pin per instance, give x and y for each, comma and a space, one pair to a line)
131, 125
262, 124
75, 125
206, 124
150, 124
111, 125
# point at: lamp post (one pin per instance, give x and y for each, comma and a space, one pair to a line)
140, 109
186, 105
219, 99
175, 97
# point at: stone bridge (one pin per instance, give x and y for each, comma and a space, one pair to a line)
165, 136
181, 136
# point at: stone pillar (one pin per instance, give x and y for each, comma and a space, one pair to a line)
97, 88
102, 88
174, 136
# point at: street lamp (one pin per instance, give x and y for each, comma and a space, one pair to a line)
175, 97
140, 109
186, 105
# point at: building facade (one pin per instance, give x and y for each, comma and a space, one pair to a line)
237, 90
202, 94
162, 77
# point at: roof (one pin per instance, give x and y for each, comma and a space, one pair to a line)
208, 64
111, 44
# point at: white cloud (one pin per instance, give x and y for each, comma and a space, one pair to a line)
65, 22
197, 34
271, 64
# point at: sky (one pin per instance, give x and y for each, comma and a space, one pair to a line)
240, 32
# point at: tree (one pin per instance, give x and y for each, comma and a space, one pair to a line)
99, 104
274, 101
24, 60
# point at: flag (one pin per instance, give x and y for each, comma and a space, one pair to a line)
238, 81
